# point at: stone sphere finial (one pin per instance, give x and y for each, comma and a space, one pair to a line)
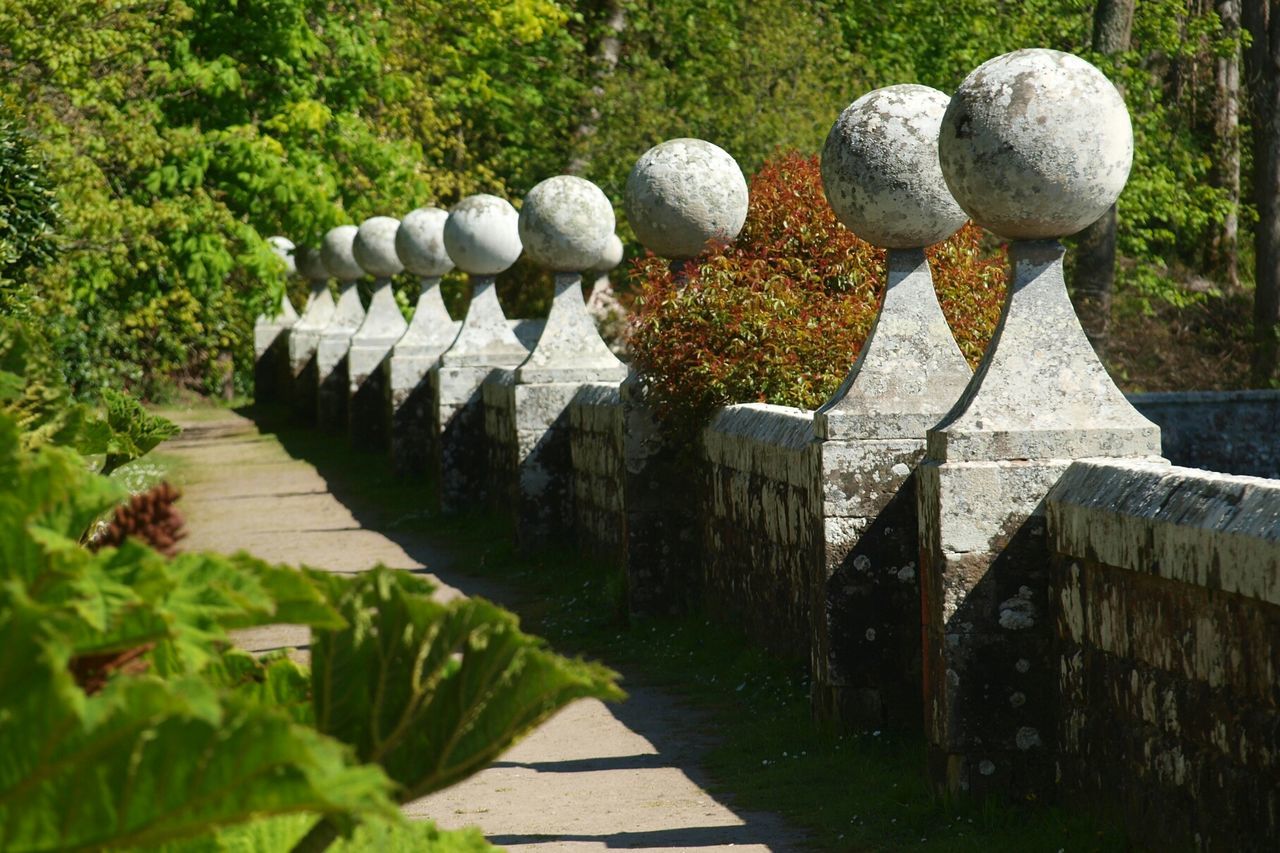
565, 223
682, 195
880, 169
336, 252
283, 248
482, 234
375, 247
420, 242
311, 264
610, 256
1036, 144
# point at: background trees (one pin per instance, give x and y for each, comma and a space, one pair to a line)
176, 134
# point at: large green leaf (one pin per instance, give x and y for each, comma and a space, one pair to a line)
134, 430
281, 834
432, 691
149, 761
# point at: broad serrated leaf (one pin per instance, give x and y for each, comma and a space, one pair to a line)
149, 761
282, 833
434, 691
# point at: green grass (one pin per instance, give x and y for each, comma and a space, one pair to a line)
864, 792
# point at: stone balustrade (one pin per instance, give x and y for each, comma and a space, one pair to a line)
1000, 558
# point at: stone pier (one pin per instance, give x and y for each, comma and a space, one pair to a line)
1031, 171
481, 236
682, 195
271, 373
419, 244
882, 178
335, 338
304, 337
384, 325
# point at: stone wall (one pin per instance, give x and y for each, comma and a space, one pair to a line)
595, 448
1166, 595
1234, 432
500, 448
759, 537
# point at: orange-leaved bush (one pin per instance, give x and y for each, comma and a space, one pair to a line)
780, 315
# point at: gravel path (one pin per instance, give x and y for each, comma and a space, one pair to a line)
593, 778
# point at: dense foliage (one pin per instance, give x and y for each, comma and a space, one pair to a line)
130, 721
780, 315
176, 135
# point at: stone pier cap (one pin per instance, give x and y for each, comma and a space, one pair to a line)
683, 195
1036, 145
881, 176
482, 237
566, 226
337, 253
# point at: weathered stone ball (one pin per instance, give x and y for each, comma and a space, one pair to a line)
684, 194
336, 252
880, 169
610, 256
311, 264
1036, 144
420, 242
375, 247
482, 234
283, 248
565, 223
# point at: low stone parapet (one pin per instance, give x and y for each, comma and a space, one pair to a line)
595, 454
759, 536
1166, 603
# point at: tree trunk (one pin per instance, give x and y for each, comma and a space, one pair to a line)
1224, 258
1262, 66
604, 61
1095, 271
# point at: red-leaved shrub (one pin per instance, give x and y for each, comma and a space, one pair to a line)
780, 315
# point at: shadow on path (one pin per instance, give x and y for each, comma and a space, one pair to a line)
582, 781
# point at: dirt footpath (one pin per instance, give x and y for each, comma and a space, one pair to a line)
593, 778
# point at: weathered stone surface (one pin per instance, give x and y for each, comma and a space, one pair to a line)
682, 195
1168, 663
528, 331
374, 247
880, 169
565, 224
595, 451
458, 429
864, 587
486, 342
482, 235
910, 370
382, 327
271, 368
1036, 144
430, 333
304, 337
420, 242
1040, 391
335, 337
486, 338
610, 256
570, 349
529, 452
337, 250
1229, 431
1039, 399
865, 591
1215, 531
758, 532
